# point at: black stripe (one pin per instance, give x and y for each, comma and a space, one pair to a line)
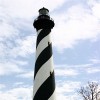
43, 57
42, 34
46, 89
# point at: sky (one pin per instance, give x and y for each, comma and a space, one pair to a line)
75, 39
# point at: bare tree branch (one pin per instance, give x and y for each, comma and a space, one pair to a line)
90, 92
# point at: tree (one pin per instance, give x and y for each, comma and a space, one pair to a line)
90, 92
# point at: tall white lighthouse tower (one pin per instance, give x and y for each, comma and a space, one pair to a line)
44, 79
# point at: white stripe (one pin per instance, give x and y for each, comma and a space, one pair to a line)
53, 96
42, 45
43, 74
39, 31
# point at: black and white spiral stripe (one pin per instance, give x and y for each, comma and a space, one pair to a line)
44, 80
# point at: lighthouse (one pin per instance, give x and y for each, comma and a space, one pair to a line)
44, 78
